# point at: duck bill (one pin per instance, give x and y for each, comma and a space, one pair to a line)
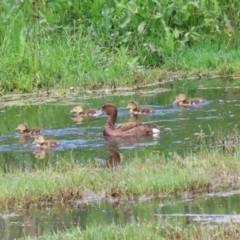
72, 111
175, 102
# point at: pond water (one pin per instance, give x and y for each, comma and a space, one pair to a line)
82, 141
215, 208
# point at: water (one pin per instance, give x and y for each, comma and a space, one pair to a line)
82, 141
215, 208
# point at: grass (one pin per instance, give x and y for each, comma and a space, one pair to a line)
151, 174
84, 64
146, 230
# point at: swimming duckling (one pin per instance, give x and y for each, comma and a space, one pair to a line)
41, 143
181, 100
133, 106
126, 129
23, 128
87, 113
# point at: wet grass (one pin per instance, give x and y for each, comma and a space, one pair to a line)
146, 230
151, 175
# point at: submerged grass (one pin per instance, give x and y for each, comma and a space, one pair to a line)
144, 175
146, 230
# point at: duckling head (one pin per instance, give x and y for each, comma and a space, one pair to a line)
22, 127
39, 139
132, 105
180, 98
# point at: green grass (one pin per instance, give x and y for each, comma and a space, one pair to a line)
146, 230
102, 44
151, 174
81, 63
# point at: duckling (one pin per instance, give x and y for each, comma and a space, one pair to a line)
23, 128
41, 143
133, 106
87, 113
126, 129
181, 100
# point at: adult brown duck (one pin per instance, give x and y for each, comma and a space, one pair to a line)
126, 129
78, 111
135, 110
42, 143
23, 128
181, 100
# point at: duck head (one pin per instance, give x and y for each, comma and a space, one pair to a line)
180, 98
22, 127
39, 140
132, 105
109, 109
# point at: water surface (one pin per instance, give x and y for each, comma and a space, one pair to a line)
83, 141
214, 208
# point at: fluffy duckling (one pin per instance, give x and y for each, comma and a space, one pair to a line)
41, 143
23, 128
87, 113
181, 100
126, 129
133, 106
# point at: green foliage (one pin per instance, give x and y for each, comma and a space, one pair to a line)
44, 43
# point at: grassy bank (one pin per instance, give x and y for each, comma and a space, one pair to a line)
102, 44
146, 230
150, 175
83, 64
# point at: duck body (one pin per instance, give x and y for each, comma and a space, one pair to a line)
126, 129
24, 129
181, 100
135, 110
44, 144
78, 111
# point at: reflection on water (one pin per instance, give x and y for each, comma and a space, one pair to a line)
133, 118
113, 160
113, 144
77, 119
213, 209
